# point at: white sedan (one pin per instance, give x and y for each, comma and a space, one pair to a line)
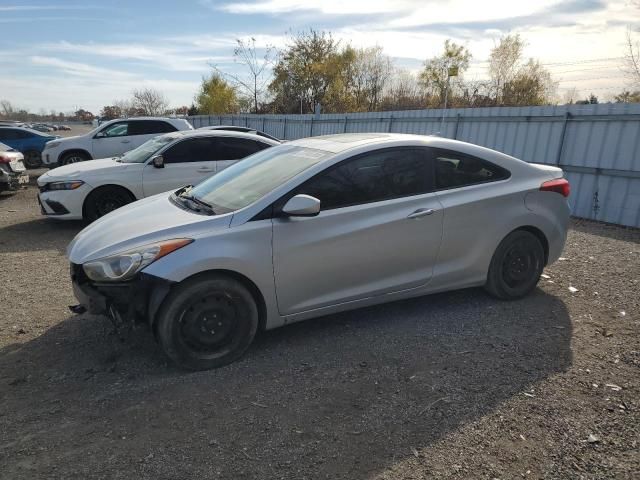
89, 190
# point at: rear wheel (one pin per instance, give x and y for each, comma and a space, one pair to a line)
104, 200
516, 266
32, 159
207, 322
73, 157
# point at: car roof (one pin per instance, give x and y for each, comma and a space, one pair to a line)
350, 141
15, 127
221, 133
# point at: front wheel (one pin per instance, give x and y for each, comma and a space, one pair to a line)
104, 200
516, 266
207, 322
73, 157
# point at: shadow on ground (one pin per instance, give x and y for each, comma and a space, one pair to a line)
38, 234
344, 396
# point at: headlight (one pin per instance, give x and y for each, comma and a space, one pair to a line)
64, 185
51, 144
124, 266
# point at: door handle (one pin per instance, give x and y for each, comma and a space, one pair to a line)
421, 212
126, 141
205, 170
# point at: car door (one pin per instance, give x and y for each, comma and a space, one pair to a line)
185, 163
378, 231
142, 130
112, 140
232, 149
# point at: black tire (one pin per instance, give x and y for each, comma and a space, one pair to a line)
32, 159
73, 157
516, 266
104, 200
207, 322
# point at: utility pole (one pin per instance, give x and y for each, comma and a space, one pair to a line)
451, 72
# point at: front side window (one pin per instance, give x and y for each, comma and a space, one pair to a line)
119, 129
455, 169
372, 177
230, 148
191, 150
145, 151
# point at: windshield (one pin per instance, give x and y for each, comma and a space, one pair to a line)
252, 178
147, 149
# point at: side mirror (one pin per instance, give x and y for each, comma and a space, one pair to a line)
302, 206
100, 135
158, 161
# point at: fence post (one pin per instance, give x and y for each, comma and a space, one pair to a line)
284, 130
219, 119
263, 124
390, 122
311, 128
344, 128
567, 117
246, 121
455, 130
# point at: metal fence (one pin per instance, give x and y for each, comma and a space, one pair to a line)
598, 146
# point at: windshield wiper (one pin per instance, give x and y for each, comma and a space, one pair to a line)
182, 193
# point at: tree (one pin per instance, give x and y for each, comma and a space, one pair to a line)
111, 112
193, 110
6, 109
532, 85
435, 76
253, 85
570, 95
150, 101
632, 58
216, 96
504, 64
311, 66
372, 70
628, 97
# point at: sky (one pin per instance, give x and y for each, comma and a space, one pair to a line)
63, 55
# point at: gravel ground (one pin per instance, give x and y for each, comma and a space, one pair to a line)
454, 385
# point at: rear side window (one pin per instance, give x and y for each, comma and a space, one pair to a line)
455, 169
192, 150
230, 148
148, 127
373, 177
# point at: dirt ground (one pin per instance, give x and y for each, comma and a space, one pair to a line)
455, 385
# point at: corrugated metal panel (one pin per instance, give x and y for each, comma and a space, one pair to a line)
594, 139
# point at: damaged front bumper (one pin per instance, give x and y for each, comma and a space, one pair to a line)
136, 300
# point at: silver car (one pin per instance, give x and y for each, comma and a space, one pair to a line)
317, 226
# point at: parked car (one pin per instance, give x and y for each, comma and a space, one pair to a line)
235, 128
42, 128
64, 127
317, 226
12, 171
89, 190
29, 142
109, 139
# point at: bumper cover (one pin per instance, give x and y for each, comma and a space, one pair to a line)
134, 301
13, 181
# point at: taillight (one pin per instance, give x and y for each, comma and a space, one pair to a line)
559, 185
5, 158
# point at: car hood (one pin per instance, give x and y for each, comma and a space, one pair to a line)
82, 169
146, 221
